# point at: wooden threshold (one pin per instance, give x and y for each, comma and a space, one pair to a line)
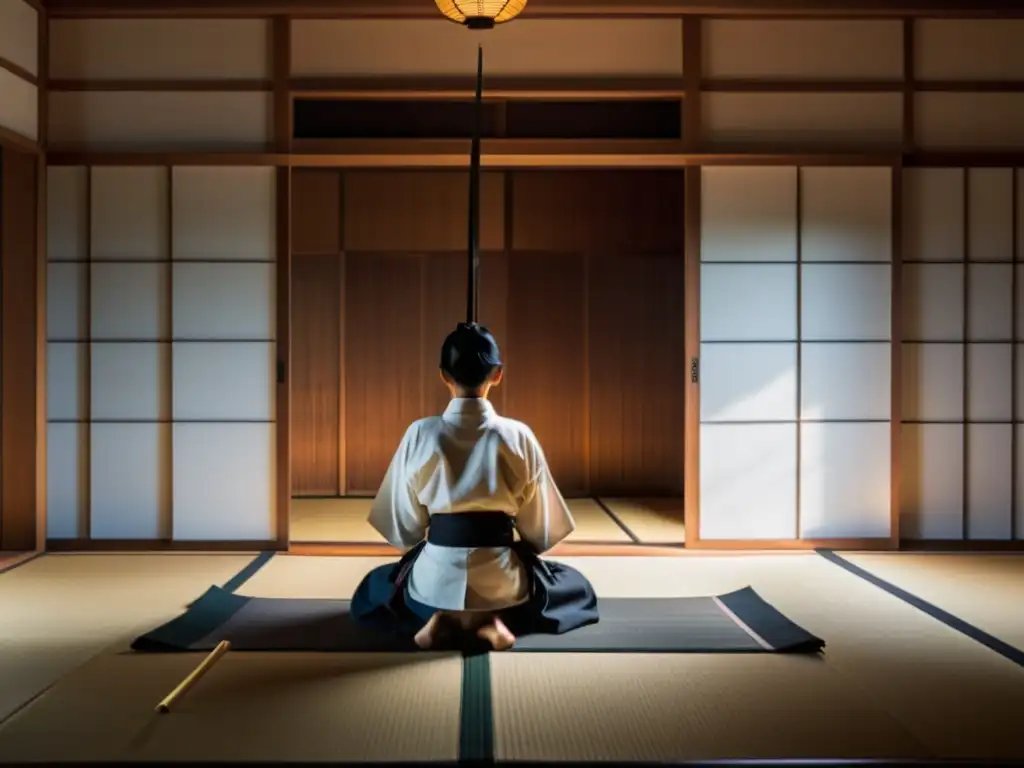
781, 545
158, 545
580, 549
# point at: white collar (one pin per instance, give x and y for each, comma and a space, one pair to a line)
468, 410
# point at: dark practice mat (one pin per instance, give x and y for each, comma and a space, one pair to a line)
740, 622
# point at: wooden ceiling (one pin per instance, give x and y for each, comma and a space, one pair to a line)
539, 8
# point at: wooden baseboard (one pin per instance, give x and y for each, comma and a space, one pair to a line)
961, 545
158, 545
573, 549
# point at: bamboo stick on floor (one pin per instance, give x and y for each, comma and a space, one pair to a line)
183, 687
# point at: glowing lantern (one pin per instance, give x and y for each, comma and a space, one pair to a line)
480, 14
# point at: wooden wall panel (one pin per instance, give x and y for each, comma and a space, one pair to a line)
597, 211
165, 121
316, 212
801, 122
383, 360
956, 121
19, 433
418, 210
316, 373
804, 49
557, 47
494, 309
19, 34
546, 378
594, 279
19, 105
444, 305
175, 49
637, 375
969, 49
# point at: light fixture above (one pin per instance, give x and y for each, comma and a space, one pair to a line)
480, 14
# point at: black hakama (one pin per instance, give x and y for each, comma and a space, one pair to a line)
560, 600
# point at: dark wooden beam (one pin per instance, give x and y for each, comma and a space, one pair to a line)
536, 8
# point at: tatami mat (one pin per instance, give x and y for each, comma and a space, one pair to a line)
249, 707
332, 521
682, 707
319, 577
57, 611
893, 682
938, 688
652, 521
986, 590
593, 524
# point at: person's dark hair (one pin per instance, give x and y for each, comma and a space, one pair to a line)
469, 355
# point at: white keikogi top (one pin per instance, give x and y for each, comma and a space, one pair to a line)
469, 460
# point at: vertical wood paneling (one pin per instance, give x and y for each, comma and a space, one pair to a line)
589, 285
317, 294
382, 361
444, 305
316, 211
18, 348
545, 378
637, 375
494, 308
316, 353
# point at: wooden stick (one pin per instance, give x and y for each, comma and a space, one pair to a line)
183, 687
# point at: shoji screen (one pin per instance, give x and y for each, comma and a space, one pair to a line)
795, 353
129, 331
960, 355
223, 367
160, 355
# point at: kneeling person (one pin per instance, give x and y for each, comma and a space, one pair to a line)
458, 488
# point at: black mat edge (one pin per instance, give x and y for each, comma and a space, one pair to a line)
769, 623
476, 713
617, 520
1004, 649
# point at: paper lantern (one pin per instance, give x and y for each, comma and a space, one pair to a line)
480, 14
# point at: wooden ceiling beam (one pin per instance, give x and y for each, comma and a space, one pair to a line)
536, 8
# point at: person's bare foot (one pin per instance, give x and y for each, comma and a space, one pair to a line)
497, 634
427, 636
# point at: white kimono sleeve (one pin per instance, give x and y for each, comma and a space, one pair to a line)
396, 512
544, 519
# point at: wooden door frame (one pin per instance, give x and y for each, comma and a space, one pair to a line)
691, 219
22, 348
